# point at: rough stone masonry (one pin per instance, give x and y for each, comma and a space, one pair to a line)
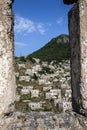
78, 42
7, 78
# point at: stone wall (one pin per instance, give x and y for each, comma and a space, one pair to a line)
47, 121
83, 42
74, 29
7, 79
78, 42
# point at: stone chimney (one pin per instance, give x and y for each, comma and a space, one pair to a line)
7, 77
78, 43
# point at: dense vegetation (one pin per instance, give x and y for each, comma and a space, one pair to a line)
57, 49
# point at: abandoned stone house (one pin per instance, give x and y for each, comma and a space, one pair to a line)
53, 93
21, 66
24, 78
26, 89
36, 68
28, 72
35, 105
35, 93
47, 88
42, 81
64, 105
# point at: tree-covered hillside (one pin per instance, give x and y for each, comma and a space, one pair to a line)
57, 49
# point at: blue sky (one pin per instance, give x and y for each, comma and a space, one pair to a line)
37, 22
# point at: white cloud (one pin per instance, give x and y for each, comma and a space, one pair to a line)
24, 24
60, 20
41, 28
20, 44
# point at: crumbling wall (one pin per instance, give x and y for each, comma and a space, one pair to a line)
78, 42
7, 78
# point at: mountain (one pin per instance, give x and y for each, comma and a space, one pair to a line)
56, 49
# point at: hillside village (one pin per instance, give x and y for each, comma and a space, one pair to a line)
43, 86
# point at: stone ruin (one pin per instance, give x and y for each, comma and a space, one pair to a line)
78, 32
78, 42
7, 77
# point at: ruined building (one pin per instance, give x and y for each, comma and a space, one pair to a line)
44, 121
78, 42
7, 79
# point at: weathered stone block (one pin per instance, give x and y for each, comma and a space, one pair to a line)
7, 77
78, 41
